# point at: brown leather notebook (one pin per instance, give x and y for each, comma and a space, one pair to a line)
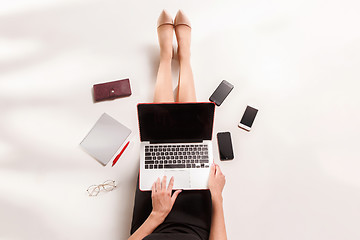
112, 90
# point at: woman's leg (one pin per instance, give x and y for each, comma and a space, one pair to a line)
186, 87
163, 86
163, 93
142, 208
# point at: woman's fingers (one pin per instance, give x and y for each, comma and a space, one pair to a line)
212, 169
157, 185
153, 189
171, 184
163, 183
170, 187
218, 170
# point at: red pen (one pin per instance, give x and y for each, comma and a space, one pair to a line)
118, 156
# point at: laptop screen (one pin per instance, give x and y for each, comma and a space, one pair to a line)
176, 122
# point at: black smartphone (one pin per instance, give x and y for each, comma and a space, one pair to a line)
248, 118
225, 146
221, 92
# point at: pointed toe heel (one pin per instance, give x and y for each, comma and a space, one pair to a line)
164, 19
181, 19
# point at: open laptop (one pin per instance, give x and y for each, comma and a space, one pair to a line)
176, 141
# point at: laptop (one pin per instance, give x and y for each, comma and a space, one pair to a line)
176, 142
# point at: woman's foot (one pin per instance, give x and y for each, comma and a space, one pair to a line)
183, 35
165, 35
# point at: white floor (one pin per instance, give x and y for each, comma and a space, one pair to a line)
294, 176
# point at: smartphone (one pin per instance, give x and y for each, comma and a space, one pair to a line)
221, 92
248, 118
225, 146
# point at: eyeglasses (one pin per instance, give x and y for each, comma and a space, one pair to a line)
107, 186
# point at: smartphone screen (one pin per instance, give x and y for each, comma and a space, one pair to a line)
249, 116
221, 92
225, 146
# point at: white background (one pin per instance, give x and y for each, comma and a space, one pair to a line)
294, 176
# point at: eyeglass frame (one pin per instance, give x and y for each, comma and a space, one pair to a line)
99, 187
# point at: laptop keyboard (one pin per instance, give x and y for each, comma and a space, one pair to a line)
176, 156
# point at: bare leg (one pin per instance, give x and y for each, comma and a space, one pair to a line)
186, 88
163, 86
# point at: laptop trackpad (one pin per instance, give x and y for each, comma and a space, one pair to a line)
181, 178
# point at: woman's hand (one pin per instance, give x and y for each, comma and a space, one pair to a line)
216, 181
162, 200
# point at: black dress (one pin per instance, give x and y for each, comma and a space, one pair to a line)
189, 219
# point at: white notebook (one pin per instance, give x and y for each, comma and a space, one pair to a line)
105, 139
